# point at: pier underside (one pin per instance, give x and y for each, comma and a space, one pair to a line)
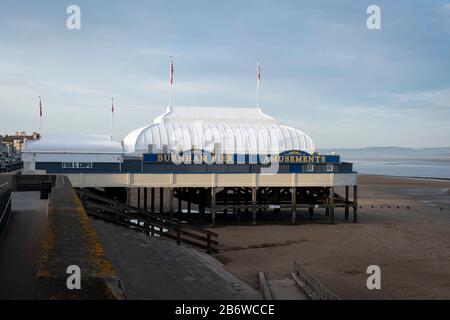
229, 198
237, 204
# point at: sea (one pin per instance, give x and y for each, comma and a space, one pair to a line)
403, 167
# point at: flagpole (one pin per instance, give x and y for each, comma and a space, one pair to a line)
171, 82
112, 117
258, 80
40, 116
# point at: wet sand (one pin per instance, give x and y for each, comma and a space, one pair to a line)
412, 246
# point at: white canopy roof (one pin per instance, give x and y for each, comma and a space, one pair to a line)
66, 143
236, 130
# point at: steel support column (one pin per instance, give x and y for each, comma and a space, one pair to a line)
161, 200
254, 192
346, 203
294, 204
145, 199
152, 209
139, 198
355, 204
213, 206
331, 205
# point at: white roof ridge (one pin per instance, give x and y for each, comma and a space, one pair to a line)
214, 114
236, 128
73, 143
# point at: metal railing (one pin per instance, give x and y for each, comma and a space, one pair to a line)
312, 286
5, 207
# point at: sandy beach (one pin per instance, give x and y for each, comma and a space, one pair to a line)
404, 228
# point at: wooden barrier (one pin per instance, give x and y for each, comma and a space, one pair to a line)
99, 205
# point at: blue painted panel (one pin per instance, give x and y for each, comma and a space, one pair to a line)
136, 166
287, 157
296, 168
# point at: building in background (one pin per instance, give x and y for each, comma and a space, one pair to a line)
3, 148
11, 148
13, 145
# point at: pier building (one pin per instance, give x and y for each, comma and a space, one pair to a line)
227, 163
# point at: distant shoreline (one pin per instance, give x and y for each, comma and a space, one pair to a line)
399, 160
404, 177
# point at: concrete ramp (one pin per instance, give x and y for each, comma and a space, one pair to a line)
286, 289
155, 268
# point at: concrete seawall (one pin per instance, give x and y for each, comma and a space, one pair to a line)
70, 240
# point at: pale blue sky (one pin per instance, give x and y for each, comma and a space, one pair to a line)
323, 71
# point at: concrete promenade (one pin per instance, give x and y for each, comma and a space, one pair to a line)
149, 268
20, 246
152, 268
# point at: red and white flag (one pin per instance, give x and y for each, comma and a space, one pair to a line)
171, 71
258, 83
40, 107
259, 71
